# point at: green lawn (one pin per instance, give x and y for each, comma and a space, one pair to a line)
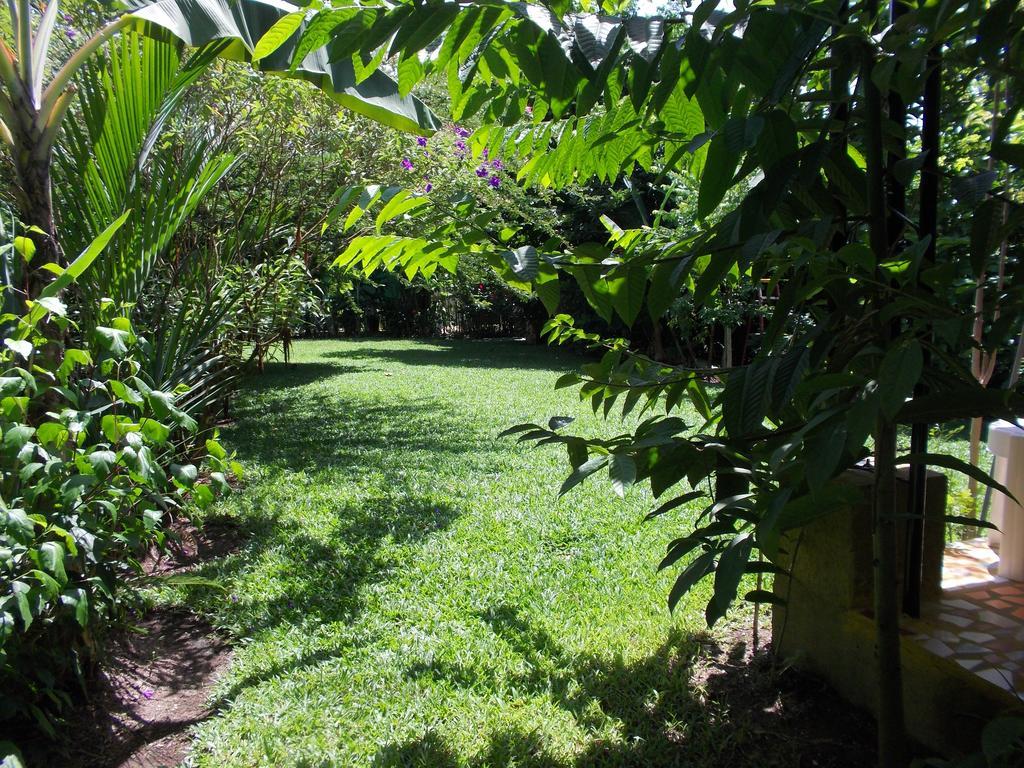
413, 592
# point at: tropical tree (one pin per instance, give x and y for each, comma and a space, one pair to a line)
33, 105
809, 105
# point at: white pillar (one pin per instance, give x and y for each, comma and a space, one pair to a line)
1006, 441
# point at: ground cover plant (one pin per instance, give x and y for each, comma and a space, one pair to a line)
413, 593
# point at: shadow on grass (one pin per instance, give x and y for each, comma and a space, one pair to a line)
321, 582
468, 354
319, 576
690, 703
314, 430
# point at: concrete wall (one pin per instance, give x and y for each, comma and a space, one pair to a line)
827, 626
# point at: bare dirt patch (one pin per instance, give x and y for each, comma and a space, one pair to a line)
153, 682
770, 701
154, 686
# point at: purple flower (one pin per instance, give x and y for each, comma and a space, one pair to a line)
234, 598
494, 181
484, 154
428, 187
460, 147
147, 692
496, 164
407, 163
482, 171
461, 132
72, 34
421, 140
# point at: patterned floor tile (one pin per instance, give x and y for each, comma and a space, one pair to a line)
979, 620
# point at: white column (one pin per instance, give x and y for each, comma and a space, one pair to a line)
1006, 441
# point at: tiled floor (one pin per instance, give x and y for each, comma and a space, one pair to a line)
969, 563
979, 622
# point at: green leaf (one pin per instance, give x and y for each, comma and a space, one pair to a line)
694, 572
77, 599
985, 226
17, 436
745, 399
26, 247
972, 521
126, 393
763, 596
622, 471
524, 262
202, 496
582, 472
731, 567
51, 557
547, 288
778, 139
101, 461
242, 24
276, 36
665, 281
560, 78
957, 465
52, 433
899, 372
11, 385
676, 502
20, 347
410, 72
17, 523
154, 431
822, 453
403, 202
857, 255
75, 269
21, 590
716, 180
626, 285
112, 341
186, 474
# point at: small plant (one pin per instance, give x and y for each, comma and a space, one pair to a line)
89, 469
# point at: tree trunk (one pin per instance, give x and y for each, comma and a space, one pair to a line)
38, 213
891, 746
887, 610
982, 364
657, 342
33, 192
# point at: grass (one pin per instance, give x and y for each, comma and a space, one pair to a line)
413, 592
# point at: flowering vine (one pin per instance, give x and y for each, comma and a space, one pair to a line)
488, 170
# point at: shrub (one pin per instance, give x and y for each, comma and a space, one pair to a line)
90, 465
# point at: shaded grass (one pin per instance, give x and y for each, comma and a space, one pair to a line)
414, 593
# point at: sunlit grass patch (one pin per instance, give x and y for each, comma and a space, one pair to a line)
414, 592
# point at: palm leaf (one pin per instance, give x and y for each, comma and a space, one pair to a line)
108, 164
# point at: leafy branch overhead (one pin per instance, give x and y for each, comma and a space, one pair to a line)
767, 103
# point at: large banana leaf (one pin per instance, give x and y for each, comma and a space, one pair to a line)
244, 22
